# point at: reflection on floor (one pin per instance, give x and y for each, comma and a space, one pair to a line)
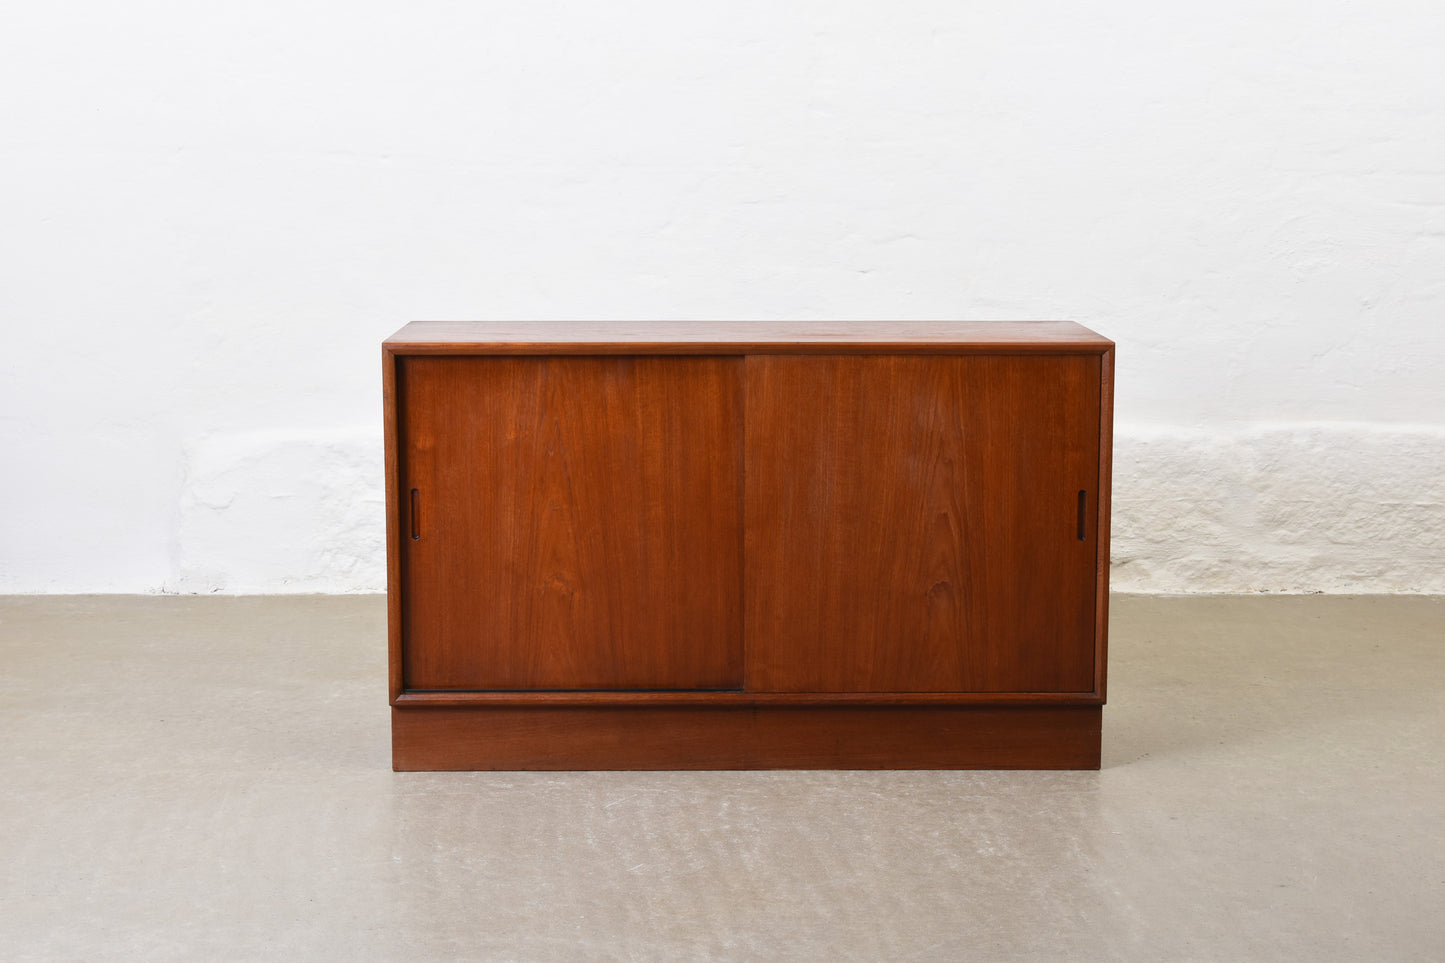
209, 778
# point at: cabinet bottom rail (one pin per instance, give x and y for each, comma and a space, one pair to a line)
429, 738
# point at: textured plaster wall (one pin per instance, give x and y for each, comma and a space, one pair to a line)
211, 215
1282, 508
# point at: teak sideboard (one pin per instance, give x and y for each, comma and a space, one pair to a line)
704, 545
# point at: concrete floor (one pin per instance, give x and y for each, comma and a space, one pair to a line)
209, 779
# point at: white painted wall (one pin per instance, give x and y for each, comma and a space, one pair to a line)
210, 215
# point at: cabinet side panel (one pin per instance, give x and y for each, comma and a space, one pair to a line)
574, 522
913, 523
1106, 486
389, 400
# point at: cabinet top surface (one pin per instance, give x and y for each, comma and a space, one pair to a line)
738, 337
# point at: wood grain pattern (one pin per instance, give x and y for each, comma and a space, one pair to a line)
911, 523
744, 337
580, 522
680, 697
391, 459
1102, 522
874, 525
719, 738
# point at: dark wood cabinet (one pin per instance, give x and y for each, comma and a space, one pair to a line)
749, 545
573, 522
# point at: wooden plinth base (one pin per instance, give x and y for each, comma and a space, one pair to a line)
746, 737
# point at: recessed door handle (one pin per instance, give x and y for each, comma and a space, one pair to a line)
415, 514
1083, 503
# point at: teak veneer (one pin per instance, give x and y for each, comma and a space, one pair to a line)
705, 545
